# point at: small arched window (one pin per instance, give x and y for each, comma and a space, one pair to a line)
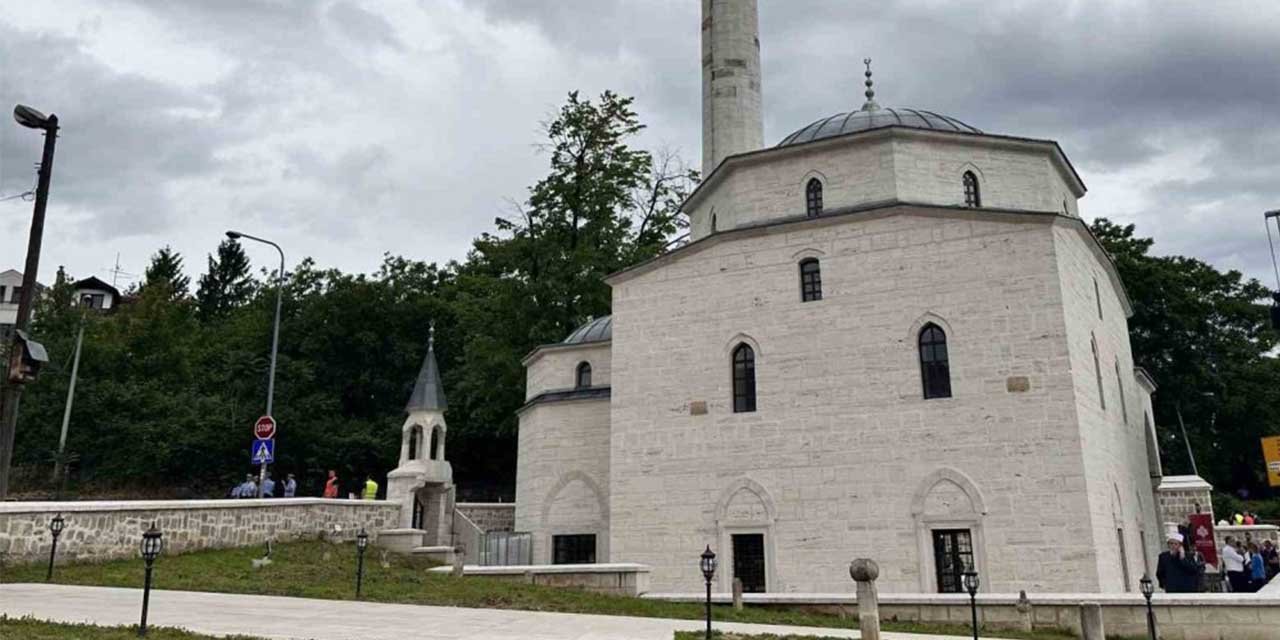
935, 366
744, 379
1097, 372
810, 280
813, 197
972, 195
437, 443
583, 378
415, 441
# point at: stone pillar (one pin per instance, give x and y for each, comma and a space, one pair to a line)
1026, 616
1091, 621
1178, 496
737, 594
864, 572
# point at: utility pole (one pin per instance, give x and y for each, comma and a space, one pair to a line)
12, 391
60, 462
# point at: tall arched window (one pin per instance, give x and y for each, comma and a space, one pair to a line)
1097, 372
744, 379
713, 223
1124, 406
972, 196
813, 197
935, 367
810, 280
437, 443
1097, 297
415, 441
583, 379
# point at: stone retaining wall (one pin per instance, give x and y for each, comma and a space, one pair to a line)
1178, 616
106, 530
490, 516
619, 579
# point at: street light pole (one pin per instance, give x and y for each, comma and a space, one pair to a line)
12, 391
275, 338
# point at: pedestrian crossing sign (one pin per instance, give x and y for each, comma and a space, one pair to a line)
263, 451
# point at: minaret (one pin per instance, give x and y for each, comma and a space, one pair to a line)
731, 120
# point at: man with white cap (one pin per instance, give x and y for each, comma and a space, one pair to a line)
1178, 571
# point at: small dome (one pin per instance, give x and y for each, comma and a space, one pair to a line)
875, 118
597, 330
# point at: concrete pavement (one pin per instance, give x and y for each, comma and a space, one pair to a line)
305, 619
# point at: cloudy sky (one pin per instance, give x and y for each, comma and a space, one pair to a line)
346, 130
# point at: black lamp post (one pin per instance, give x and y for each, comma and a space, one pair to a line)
1149, 589
971, 585
362, 543
152, 545
708, 566
55, 527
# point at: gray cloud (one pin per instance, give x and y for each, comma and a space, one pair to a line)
350, 129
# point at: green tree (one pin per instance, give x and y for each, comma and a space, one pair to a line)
165, 271
226, 284
1203, 335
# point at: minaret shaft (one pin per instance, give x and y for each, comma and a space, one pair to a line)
731, 120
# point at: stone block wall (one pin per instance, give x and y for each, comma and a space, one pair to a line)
1179, 496
490, 516
108, 530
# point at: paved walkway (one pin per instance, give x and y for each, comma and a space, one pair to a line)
305, 619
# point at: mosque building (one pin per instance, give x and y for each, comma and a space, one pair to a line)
890, 335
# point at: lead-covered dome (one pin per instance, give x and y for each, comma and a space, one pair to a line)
875, 118
597, 330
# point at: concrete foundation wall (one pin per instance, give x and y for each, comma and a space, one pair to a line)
107, 530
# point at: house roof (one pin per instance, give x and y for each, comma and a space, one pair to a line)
93, 282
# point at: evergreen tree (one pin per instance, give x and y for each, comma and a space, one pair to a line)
165, 271
227, 284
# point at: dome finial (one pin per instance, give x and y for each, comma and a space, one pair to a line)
870, 104
431, 336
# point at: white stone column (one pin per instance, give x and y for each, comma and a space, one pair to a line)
731, 111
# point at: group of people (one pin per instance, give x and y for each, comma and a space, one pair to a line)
249, 488
1248, 565
332, 486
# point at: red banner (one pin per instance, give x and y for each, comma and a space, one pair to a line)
1202, 537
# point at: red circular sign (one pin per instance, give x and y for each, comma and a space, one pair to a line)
265, 428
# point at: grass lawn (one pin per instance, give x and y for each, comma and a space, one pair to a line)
698, 635
29, 629
321, 570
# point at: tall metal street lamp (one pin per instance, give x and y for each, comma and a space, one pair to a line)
362, 543
55, 527
11, 383
152, 545
971, 585
1148, 589
708, 566
275, 338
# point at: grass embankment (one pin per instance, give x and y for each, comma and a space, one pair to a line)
323, 570
28, 629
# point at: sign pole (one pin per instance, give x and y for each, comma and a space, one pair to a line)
263, 430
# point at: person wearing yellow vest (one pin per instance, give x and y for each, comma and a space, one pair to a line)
370, 488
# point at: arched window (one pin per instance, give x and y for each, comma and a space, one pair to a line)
935, 367
810, 280
415, 441
1124, 406
1097, 372
744, 379
813, 197
583, 379
972, 196
1097, 297
437, 443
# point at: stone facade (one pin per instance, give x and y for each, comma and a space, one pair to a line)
490, 516
107, 530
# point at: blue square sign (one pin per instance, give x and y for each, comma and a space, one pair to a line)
263, 451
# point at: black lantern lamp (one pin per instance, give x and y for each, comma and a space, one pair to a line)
362, 543
55, 527
1148, 590
971, 585
152, 545
708, 566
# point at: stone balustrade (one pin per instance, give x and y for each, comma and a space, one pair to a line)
102, 530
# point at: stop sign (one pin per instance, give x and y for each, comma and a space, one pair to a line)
265, 428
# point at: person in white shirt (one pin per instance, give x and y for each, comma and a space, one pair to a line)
1233, 564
